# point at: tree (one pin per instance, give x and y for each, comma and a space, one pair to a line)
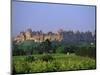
60, 49
45, 47
24, 48
89, 51
29, 47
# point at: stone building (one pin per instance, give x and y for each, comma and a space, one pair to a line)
38, 36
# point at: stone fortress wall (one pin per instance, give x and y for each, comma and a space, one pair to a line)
38, 36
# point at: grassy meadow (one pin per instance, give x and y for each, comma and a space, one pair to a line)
39, 63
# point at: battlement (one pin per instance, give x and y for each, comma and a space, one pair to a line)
38, 36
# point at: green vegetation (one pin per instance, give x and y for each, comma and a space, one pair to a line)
32, 57
88, 51
60, 49
30, 47
51, 63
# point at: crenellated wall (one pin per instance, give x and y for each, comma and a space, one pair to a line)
37, 37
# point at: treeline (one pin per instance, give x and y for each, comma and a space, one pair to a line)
29, 47
78, 37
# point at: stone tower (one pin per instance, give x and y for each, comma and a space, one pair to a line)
28, 34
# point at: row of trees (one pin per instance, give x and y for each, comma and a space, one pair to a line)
78, 37
29, 47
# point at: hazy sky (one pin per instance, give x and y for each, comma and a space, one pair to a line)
51, 17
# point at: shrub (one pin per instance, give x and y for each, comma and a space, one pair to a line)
38, 66
46, 57
21, 68
88, 51
51, 63
60, 49
30, 58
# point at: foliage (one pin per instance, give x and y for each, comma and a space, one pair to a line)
21, 67
45, 47
60, 49
60, 62
89, 51
29, 47
47, 57
70, 48
29, 58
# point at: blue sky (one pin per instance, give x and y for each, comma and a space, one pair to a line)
51, 17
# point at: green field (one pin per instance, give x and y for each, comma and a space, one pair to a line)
51, 63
